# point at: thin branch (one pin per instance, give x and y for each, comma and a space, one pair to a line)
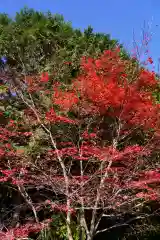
61, 163
121, 224
28, 200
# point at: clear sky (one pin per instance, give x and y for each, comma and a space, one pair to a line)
115, 17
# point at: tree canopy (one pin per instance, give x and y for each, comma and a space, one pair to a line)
79, 130
35, 41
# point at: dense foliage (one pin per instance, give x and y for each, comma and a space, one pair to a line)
83, 146
79, 158
34, 41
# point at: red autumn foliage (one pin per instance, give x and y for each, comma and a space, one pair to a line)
65, 99
23, 231
150, 60
102, 155
51, 116
147, 79
44, 77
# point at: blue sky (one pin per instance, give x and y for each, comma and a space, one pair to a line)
118, 18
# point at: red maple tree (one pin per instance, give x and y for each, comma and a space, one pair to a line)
103, 133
